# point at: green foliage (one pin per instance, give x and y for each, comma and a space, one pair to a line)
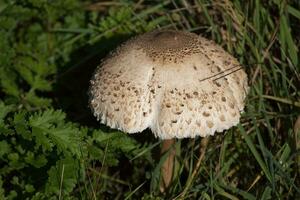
28, 62
48, 128
52, 148
42, 152
61, 177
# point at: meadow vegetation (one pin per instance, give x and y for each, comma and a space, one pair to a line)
51, 147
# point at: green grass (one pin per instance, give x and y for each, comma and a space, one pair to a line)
44, 46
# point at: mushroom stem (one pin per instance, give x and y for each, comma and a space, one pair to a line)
168, 165
190, 180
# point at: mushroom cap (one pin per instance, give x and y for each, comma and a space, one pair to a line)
176, 83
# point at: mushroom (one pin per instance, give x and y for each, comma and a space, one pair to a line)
176, 83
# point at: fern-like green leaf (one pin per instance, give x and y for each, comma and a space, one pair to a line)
62, 177
49, 129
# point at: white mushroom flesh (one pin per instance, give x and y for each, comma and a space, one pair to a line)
176, 83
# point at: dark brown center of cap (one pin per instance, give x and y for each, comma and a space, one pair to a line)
169, 39
170, 45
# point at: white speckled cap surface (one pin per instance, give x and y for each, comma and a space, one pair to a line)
176, 83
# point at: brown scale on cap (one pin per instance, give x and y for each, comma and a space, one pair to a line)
176, 83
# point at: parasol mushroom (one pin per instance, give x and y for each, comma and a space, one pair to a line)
176, 83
